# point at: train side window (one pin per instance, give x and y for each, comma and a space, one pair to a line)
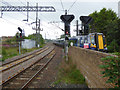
81, 40
104, 40
92, 40
86, 40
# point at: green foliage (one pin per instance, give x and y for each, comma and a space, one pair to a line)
62, 36
73, 41
73, 76
10, 52
111, 68
102, 19
9, 41
3, 51
113, 47
70, 74
107, 22
57, 82
116, 53
34, 37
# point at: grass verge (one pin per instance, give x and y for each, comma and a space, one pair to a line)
9, 52
68, 73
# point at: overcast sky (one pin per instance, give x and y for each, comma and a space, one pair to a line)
10, 21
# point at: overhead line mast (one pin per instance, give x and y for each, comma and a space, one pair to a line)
28, 9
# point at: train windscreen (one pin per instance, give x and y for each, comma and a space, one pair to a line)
92, 40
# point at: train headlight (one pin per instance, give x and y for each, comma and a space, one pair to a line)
105, 45
93, 45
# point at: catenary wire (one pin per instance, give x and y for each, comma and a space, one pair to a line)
72, 5
62, 5
6, 3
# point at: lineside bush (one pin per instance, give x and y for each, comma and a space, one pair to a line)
111, 68
70, 74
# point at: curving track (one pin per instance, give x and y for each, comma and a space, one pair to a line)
15, 68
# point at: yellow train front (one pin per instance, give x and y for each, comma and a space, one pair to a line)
97, 41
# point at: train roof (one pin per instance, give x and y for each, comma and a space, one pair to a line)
62, 39
95, 33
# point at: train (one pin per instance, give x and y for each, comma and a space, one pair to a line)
60, 42
94, 41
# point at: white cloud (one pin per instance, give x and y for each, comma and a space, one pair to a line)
9, 27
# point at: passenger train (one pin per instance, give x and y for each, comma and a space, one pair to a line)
94, 41
60, 42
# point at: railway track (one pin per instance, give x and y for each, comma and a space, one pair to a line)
22, 56
22, 80
11, 70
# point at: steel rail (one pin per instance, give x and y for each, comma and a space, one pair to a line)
27, 67
28, 82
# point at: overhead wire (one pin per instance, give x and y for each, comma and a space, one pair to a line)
72, 5
22, 2
45, 25
14, 22
62, 5
24, 13
10, 21
6, 3
52, 24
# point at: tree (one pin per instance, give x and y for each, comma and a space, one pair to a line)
62, 36
106, 22
38, 38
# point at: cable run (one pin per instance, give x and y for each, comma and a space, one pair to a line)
72, 5
51, 23
6, 3
62, 4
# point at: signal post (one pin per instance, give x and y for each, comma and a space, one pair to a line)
66, 19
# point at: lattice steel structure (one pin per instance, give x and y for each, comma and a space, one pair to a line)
27, 8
